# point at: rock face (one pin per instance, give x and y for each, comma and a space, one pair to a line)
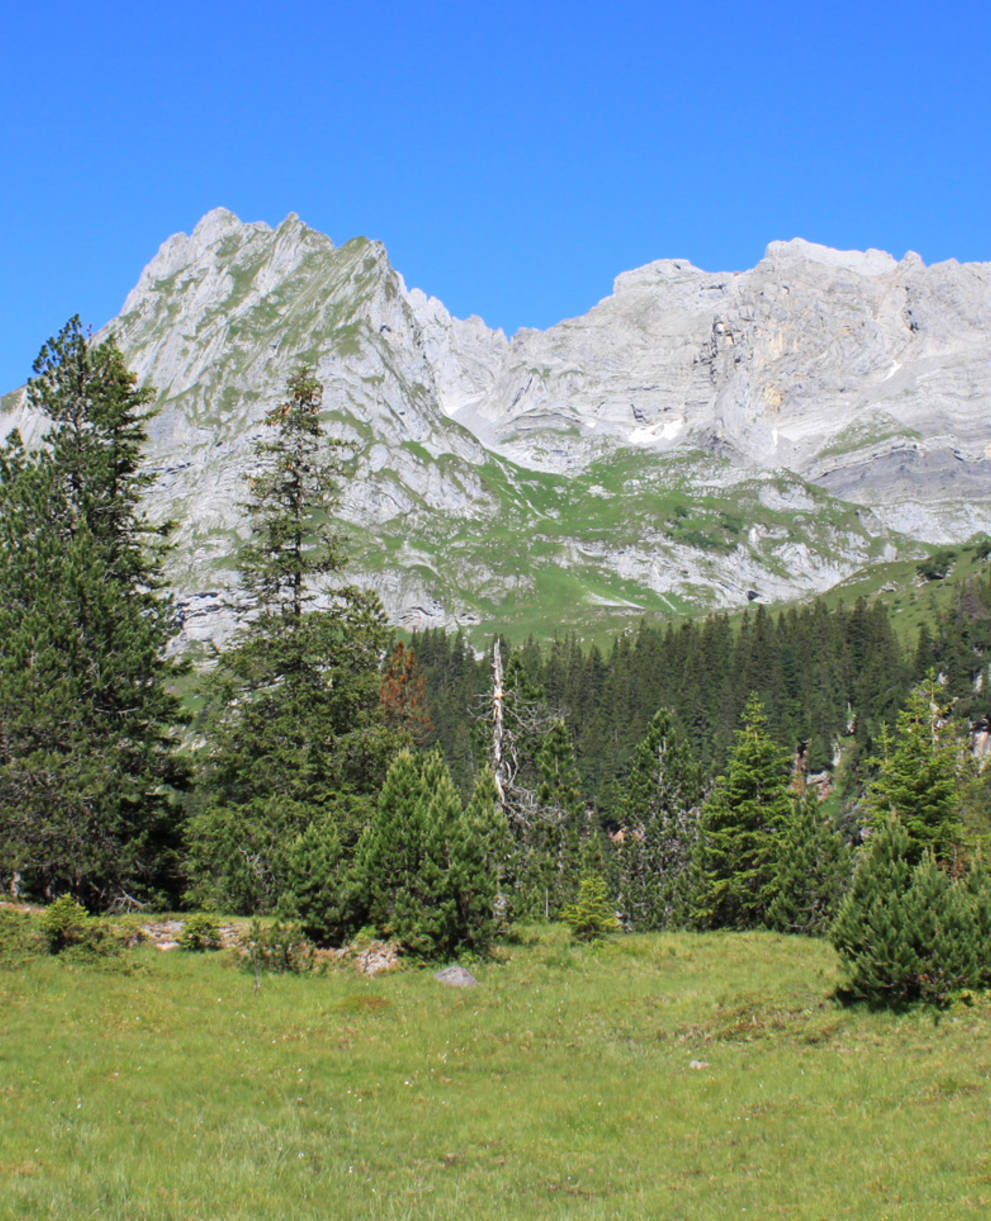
867, 376
693, 437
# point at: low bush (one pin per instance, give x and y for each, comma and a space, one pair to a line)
67, 927
65, 923
277, 949
19, 940
200, 932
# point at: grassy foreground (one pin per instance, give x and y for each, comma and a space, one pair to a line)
563, 1086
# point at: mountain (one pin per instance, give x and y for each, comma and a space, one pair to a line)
694, 440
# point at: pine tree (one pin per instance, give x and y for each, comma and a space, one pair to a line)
812, 870
906, 932
920, 776
88, 725
869, 932
660, 828
402, 694
425, 867
318, 890
482, 865
296, 732
977, 882
748, 808
554, 836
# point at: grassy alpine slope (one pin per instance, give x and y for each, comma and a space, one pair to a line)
563, 1086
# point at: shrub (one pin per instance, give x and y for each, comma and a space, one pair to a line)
591, 915
936, 566
67, 928
279, 949
200, 932
65, 923
19, 939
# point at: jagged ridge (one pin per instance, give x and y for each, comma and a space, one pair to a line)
660, 453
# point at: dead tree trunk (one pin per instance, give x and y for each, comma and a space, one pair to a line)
498, 697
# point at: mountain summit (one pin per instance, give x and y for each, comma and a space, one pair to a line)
695, 439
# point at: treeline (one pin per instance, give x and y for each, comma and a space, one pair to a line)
343, 781
825, 678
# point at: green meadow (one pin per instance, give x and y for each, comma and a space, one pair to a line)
658, 1076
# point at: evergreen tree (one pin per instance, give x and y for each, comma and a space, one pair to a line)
402, 694
482, 865
869, 931
660, 828
906, 932
748, 808
453, 685
811, 870
591, 915
977, 882
318, 887
292, 493
425, 868
920, 776
88, 725
296, 731
551, 844
875, 667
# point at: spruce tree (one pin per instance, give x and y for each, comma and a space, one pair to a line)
748, 808
812, 868
920, 776
592, 914
295, 731
88, 724
660, 817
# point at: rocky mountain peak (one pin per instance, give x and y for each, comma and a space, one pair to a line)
694, 437
860, 262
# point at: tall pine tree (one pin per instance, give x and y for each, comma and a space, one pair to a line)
660, 828
297, 731
88, 725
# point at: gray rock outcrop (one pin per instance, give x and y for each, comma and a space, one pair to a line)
693, 436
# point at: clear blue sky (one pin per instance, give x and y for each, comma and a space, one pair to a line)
513, 157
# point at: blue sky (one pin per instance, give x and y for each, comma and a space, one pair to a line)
513, 157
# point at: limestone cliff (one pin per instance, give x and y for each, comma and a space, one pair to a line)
693, 439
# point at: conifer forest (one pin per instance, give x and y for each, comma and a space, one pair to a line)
805, 769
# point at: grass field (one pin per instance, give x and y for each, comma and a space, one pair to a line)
666, 1076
